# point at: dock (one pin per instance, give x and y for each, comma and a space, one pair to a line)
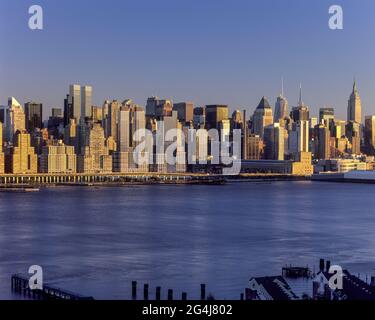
20, 284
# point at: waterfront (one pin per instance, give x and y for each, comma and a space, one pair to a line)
95, 241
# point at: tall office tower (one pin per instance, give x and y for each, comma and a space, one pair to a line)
74, 100
274, 139
262, 117
131, 118
21, 158
299, 138
255, 147
86, 102
56, 113
185, 111
2, 164
3, 115
281, 105
338, 129
323, 142
15, 118
354, 106
215, 114
199, 117
301, 112
236, 120
58, 158
353, 132
68, 110
224, 127
71, 135
112, 120
157, 107
95, 157
326, 116
34, 116
370, 134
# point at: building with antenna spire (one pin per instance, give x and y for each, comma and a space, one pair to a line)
301, 112
281, 106
354, 105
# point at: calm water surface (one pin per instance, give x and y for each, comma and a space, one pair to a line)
96, 241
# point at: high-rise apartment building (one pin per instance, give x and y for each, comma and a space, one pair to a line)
15, 119
58, 158
34, 116
255, 147
95, 157
21, 158
354, 105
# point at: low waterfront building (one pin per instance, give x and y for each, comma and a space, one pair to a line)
303, 165
58, 159
340, 165
21, 158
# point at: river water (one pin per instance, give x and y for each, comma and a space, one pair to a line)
95, 241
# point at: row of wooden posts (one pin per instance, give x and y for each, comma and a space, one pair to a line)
158, 292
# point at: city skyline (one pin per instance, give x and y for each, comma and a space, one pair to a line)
201, 52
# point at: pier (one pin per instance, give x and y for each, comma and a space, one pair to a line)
20, 284
40, 179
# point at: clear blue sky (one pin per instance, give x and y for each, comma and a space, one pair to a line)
207, 51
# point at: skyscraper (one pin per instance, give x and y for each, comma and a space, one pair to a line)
370, 133
301, 111
354, 105
326, 115
215, 114
34, 116
262, 117
86, 102
298, 138
274, 139
184, 111
353, 132
15, 118
2, 165
281, 106
323, 146
74, 101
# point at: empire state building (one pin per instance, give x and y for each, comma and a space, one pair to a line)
354, 106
